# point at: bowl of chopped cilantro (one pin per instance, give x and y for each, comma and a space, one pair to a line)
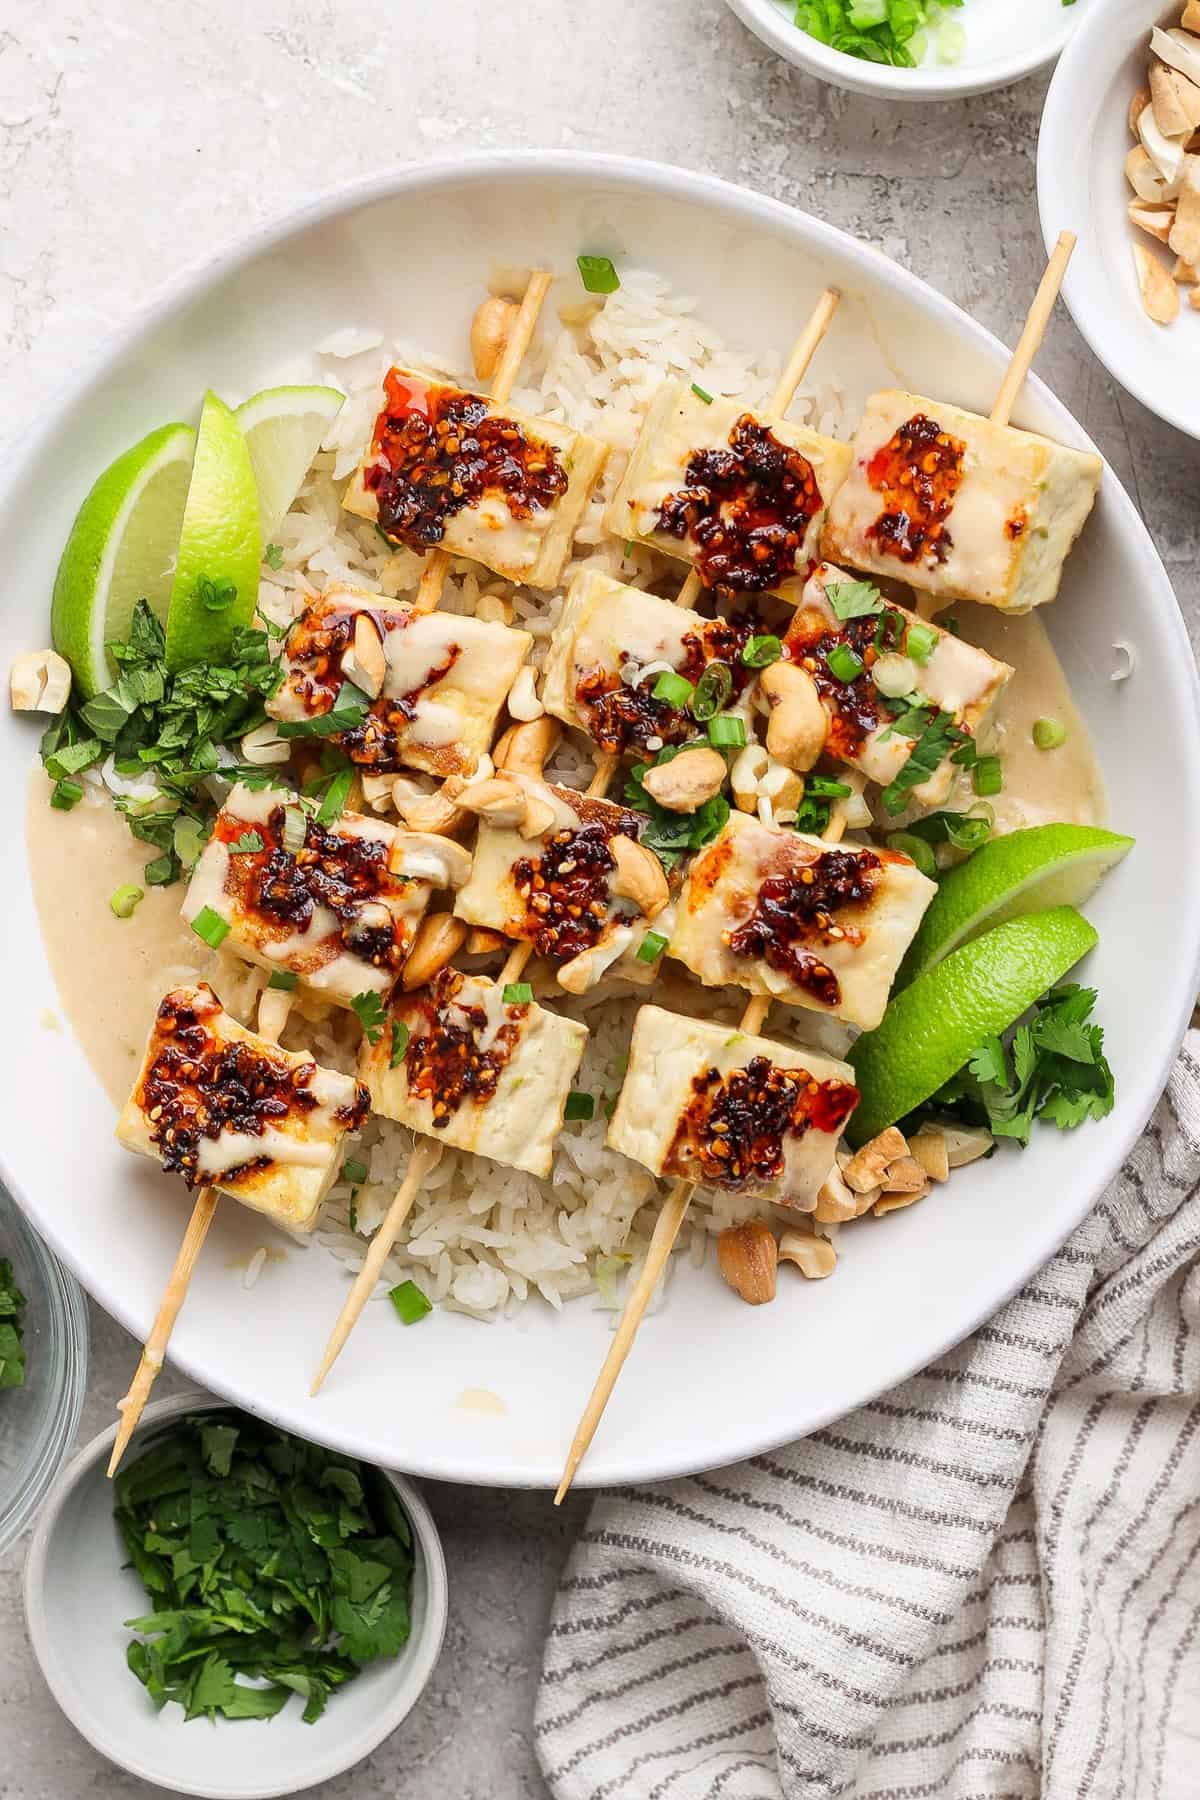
914, 49
43, 1369
233, 1575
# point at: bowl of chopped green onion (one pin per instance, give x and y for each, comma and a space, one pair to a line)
233, 1575
914, 49
43, 1369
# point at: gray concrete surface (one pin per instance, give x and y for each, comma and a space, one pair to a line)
136, 138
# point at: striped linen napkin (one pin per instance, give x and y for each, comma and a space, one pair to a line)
984, 1584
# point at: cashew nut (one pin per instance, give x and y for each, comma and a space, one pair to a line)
930, 1149
866, 1167
40, 681
582, 972
523, 702
489, 333
639, 875
835, 1201
539, 816
905, 1176
365, 663
897, 1202
425, 810
264, 746
966, 1144
747, 1256
524, 748
687, 781
498, 800
799, 724
439, 937
274, 1008
815, 1257
481, 942
377, 792
424, 856
749, 767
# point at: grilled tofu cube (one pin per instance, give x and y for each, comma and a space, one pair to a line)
460, 1063
864, 731
611, 646
443, 681
447, 469
740, 494
558, 889
339, 909
958, 507
804, 921
711, 1104
224, 1108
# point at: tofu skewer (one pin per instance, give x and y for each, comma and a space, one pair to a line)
674, 1211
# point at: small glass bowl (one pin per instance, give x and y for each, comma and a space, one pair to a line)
38, 1421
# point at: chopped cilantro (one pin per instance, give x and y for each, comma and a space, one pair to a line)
372, 1015
400, 1037
938, 738
667, 833
853, 599
273, 556
12, 1348
248, 844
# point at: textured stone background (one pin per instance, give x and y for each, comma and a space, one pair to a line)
137, 138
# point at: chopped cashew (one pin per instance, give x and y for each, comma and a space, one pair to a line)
377, 792
524, 748
1160, 296
264, 746
687, 781
930, 1149
1137, 107
898, 1201
798, 724
747, 1255
1185, 233
425, 810
905, 1176
639, 875
497, 799
489, 333
1155, 220
539, 815
423, 856
582, 972
523, 702
481, 942
966, 1144
40, 681
365, 663
866, 1167
439, 938
749, 767
836, 1202
815, 1257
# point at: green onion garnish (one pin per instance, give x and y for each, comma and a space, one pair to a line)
66, 795
727, 731
409, 1302
579, 1106
161, 871
651, 947
920, 643
354, 1171
518, 993
70, 759
713, 691
283, 979
916, 849
371, 1014
987, 776
336, 796
124, 899
759, 651
701, 394
348, 710
827, 787
295, 828
400, 1036
844, 663
247, 844
676, 690
1048, 734
597, 274
210, 926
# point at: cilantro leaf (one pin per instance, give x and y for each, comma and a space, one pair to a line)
372, 1015
853, 599
12, 1349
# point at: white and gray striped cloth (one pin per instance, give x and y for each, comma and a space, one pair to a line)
986, 1583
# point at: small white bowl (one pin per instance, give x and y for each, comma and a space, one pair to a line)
77, 1592
1081, 184
1005, 40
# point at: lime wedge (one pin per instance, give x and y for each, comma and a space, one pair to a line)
121, 549
930, 1030
283, 428
216, 571
1026, 871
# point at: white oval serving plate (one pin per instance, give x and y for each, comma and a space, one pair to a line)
1005, 40
711, 1380
1082, 148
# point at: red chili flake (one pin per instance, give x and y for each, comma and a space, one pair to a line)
565, 891
621, 717
918, 472
733, 1131
443, 1060
855, 707
804, 908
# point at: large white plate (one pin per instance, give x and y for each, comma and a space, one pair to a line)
711, 1380
1082, 147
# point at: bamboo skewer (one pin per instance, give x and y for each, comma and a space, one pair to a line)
1030, 341
437, 565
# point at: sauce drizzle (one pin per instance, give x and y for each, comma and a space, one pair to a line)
732, 1132
796, 910
918, 473
443, 1061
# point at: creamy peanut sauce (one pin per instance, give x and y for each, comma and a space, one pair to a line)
111, 973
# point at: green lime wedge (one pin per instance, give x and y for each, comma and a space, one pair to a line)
216, 571
283, 428
1026, 871
930, 1030
121, 549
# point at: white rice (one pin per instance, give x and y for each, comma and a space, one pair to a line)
482, 1239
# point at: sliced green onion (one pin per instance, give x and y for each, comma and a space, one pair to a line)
283, 979
844, 663
701, 394
727, 731
987, 775
920, 643
967, 831
124, 899
400, 1036
336, 796
827, 787
916, 849
66, 795
760, 651
651, 947
597, 274
210, 926
579, 1106
354, 1171
409, 1302
248, 844
518, 993
675, 689
1048, 734
161, 871
713, 691
295, 828
889, 632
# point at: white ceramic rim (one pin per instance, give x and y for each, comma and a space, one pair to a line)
1061, 140
955, 82
669, 181
323, 1767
